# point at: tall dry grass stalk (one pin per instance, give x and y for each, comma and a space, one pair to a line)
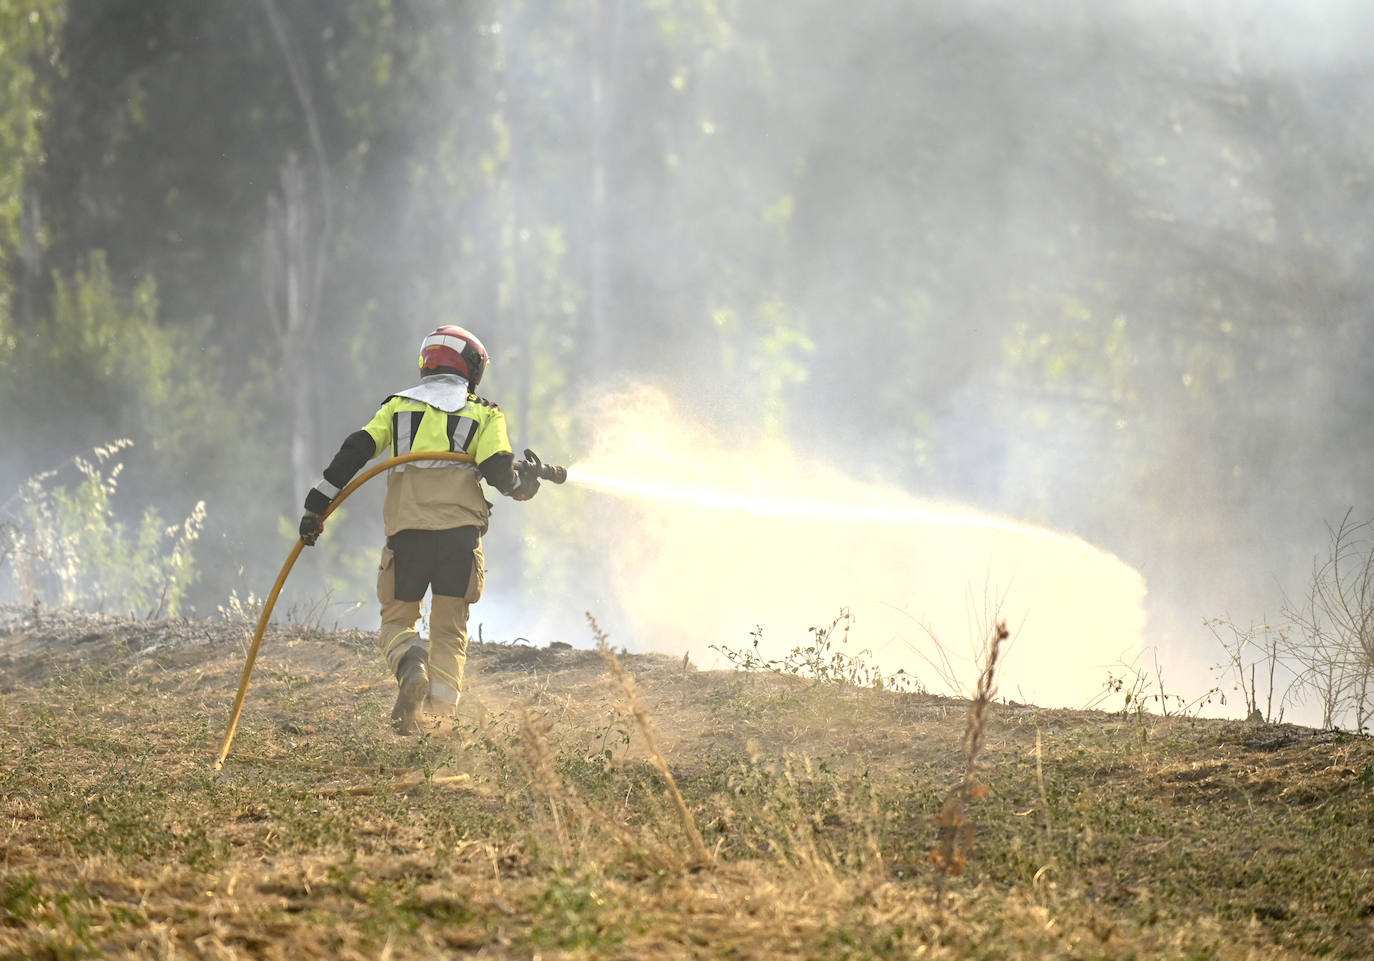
1046, 822
956, 830
539, 767
567, 808
700, 855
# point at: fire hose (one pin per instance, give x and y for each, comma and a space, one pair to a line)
530, 465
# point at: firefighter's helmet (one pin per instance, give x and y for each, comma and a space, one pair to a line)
453, 348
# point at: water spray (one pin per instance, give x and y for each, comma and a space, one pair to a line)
810, 509
530, 465
711, 543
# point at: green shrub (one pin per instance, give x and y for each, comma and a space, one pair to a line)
64, 545
823, 659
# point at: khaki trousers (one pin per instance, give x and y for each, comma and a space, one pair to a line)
448, 638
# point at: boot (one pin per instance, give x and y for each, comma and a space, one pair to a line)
412, 674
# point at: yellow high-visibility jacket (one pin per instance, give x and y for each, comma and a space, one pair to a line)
437, 415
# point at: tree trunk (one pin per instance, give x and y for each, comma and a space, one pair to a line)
290, 281
517, 123
293, 276
604, 49
29, 288
517, 335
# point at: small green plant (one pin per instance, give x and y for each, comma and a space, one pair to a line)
612, 739
822, 659
574, 913
21, 897
1144, 692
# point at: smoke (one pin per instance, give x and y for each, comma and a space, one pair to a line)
1103, 266
709, 541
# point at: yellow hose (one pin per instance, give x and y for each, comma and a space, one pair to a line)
271, 601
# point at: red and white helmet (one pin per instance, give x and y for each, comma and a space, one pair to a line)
453, 348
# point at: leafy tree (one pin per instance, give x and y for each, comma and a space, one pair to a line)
28, 33
104, 367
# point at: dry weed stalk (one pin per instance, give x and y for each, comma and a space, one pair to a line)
562, 799
538, 762
1046, 822
627, 687
791, 836
956, 830
411, 783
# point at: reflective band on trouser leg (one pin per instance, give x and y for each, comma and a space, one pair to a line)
448, 653
443, 696
393, 640
400, 619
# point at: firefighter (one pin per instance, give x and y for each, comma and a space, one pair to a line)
435, 514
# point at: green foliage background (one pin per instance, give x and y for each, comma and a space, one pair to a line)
1094, 267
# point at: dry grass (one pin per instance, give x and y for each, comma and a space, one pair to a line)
700, 856
540, 824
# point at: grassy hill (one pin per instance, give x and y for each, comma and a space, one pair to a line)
819, 821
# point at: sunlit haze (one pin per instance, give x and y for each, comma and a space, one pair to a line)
712, 541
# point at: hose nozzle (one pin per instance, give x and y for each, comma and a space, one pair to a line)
553, 473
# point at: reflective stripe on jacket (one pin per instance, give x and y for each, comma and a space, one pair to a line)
439, 494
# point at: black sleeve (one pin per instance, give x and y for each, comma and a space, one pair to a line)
358, 448
499, 471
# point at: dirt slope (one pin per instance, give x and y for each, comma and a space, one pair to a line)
537, 825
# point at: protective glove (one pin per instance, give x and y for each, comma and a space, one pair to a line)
312, 526
527, 476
